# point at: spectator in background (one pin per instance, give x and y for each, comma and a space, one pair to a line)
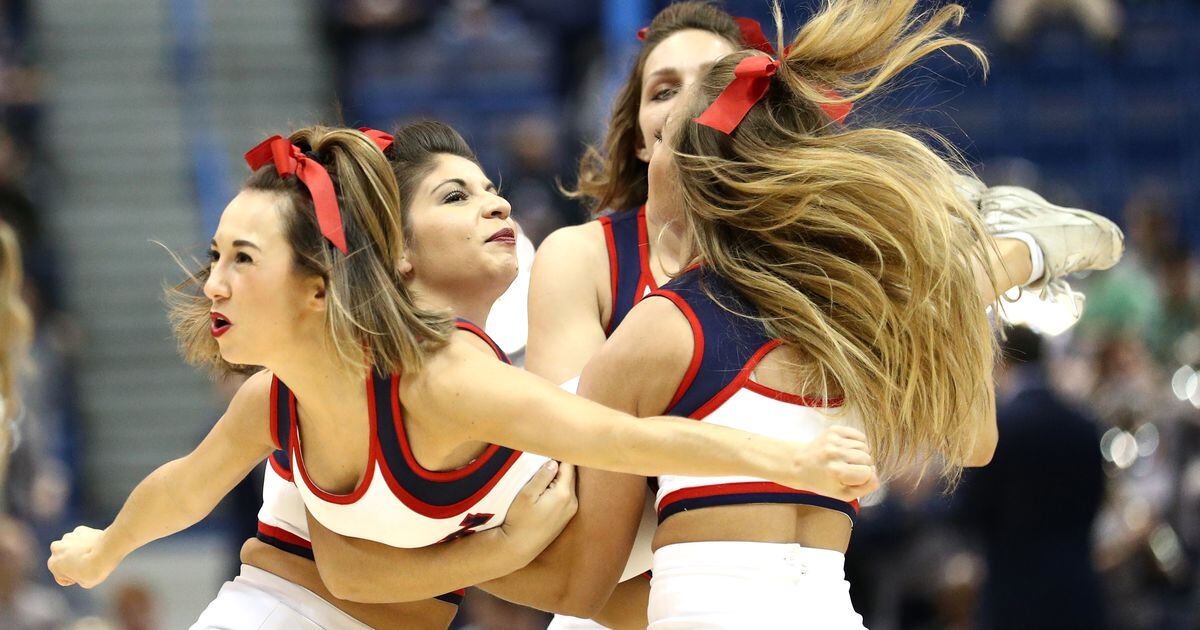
532, 183
25, 604
1127, 297
1033, 507
1016, 21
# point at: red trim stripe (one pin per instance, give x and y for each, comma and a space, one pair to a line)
406, 448
794, 399
479, 332
284, 535
742, 378
279, 470
419, 506
372, 457
697, 346
610, 242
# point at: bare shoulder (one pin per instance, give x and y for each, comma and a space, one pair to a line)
574, 250
649, 352
585, 238
254, 395
468, 339
249, 411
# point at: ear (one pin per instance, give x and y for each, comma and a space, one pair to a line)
314, 288
405, 267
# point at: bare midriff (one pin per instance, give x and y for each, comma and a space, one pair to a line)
430, 614
808, 526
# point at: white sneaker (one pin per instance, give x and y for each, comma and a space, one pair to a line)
1072, 240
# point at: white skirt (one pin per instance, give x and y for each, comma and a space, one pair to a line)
739, 585
260, 600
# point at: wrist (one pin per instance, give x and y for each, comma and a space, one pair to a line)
112, 547
517, 548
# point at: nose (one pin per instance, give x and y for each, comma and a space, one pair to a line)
497, 208
215, 286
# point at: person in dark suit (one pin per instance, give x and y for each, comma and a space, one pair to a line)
1033, 507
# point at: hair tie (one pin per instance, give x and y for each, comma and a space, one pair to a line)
290, 160
751, 79
382, 139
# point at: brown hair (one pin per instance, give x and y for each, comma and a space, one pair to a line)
16, 331
412, 154
852, 243
372, 319
614, 177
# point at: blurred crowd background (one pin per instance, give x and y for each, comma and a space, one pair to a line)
121, 123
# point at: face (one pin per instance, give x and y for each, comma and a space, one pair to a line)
661, 175
259, 302
676, 63
463, 238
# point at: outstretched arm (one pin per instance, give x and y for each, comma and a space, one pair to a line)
500, 404
177, 494
369, 572
577, 573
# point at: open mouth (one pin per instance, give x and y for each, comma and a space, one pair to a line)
506, 235
220, 324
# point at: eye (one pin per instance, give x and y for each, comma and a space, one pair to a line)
213, 256
455, 197
243, 257
665, 94
658, 136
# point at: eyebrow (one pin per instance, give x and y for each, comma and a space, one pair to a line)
237, 243
487, 184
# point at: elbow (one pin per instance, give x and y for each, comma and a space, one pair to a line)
584, 605
583, 598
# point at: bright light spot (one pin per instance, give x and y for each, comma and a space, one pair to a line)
1147, 439
1180, 380
1124, 450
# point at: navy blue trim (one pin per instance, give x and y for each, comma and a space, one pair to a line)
283, 425
436, 493
629, 265
731, 340
814, 500
292, 548
283, 460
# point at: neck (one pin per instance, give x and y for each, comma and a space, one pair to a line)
666, 240
469, 303
319, 378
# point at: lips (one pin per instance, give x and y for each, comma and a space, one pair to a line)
220, 324
505, 235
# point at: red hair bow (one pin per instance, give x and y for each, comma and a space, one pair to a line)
290, 160
753, 37
751, 78
382, 139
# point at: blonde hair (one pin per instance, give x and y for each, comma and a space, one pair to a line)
372, 319
16, 331
614, 177
852, 243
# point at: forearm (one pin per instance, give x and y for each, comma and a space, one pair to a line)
1009, 264
540, 584
664, 445
373, 573
159, 506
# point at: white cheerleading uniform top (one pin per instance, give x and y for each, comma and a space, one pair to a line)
398, 502
717, 388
